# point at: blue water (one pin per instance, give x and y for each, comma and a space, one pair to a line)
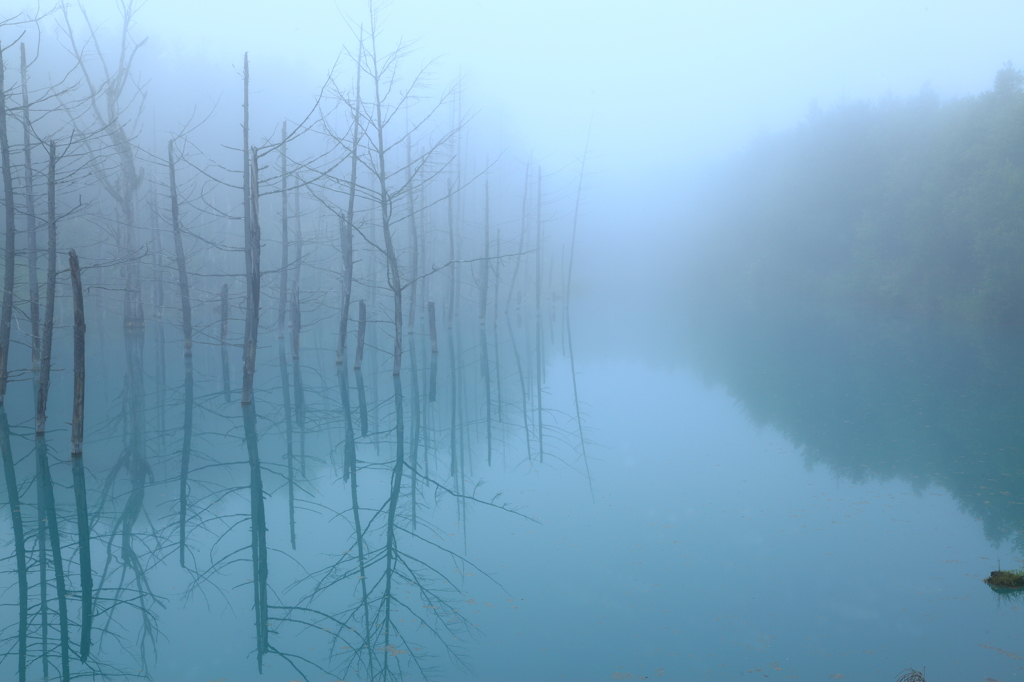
712, 551
709, 550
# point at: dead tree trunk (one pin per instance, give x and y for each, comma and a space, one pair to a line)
161, 338
497, 342
186, 330
394, 278
485, 362
7, 308
341, 365
568, 324
44, 480
30, 218
357, 368
347, 277
453, 375
300, 392
256, 512
282, 358
225, 364
6, 451
77, 464
522, 243
432, 390
540, 337
14, 499
413, 282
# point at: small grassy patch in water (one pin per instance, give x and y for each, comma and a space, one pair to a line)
1007, 580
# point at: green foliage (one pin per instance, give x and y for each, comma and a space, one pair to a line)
859, 286
914, 208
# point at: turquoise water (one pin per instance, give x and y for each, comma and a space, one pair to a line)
714, 551
817, 502
711, 549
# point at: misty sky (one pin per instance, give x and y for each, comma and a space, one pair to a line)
668, 86
663, 81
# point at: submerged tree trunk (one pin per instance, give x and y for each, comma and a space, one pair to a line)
256, 512
296, 311
18, 526
6, 452
77, 464
568, 324
282, 357
186, 330
225, 365
494, 326
394, 278
453, 376
414, 374
540, 336
485, 362
432, 389
160, 347
358, 369
347, 277
44, 480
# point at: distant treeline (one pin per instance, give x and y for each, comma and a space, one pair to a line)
851, 283
908, 207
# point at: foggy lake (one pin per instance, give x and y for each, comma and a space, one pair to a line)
478, 341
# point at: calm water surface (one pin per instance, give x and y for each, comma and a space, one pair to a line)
710, 549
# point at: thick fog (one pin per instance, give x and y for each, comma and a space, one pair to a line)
506, 341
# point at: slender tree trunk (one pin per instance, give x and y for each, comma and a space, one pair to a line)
452, 368
282, 357
17, 522
414, 279
45, 481
6, 452
363, 579
49, 505
30, 215
136, 451
522, 387
51, 285
350, 469
432, 390
7, 308
394, 278
494, 326
247, 206
186, 330
485, 363
296, 309
257, 513
540, 337
568, 322
341, 365
522, 242
358, 369
77, 464
161, 341
42, 539
225, 365
347, 277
